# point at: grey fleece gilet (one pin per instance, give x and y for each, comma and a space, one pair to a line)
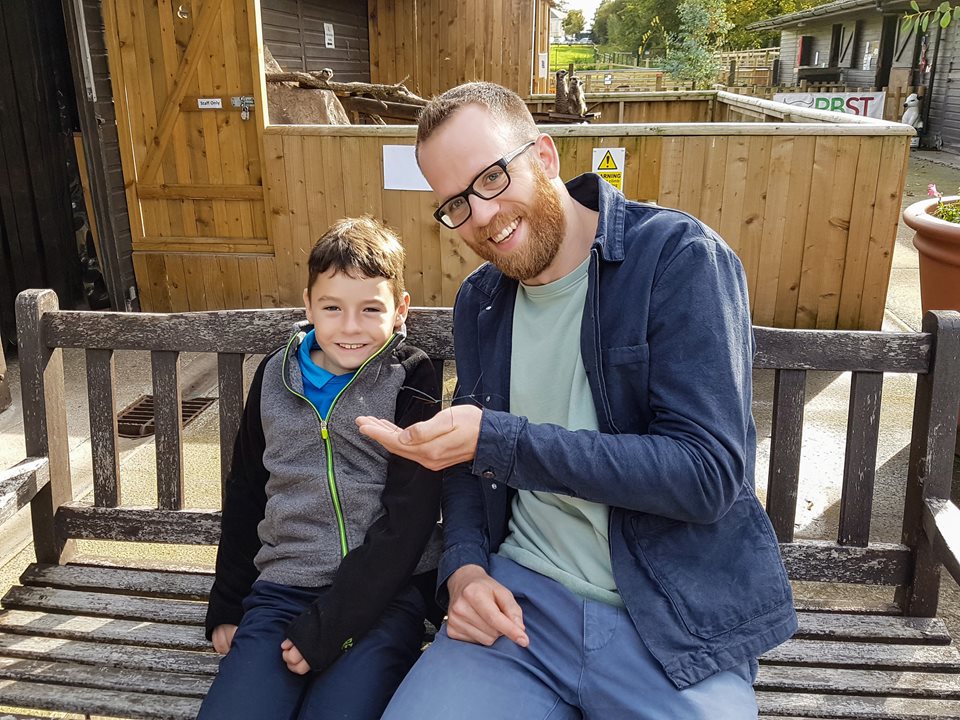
300, 533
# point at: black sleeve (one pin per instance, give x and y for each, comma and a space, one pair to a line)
243, 508
371, 575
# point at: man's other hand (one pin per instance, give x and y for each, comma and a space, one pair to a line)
448, 438
481, 609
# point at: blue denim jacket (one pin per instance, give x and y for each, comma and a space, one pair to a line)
666, 343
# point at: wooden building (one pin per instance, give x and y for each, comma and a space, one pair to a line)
168, 178
223, 207
860, 44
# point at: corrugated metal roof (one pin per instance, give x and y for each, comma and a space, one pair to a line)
837, 7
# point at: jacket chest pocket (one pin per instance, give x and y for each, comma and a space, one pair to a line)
626, 375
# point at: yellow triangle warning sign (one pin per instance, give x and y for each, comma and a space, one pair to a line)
607, 163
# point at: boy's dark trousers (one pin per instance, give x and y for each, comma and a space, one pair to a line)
254, 683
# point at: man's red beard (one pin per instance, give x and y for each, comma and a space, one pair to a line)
546, 225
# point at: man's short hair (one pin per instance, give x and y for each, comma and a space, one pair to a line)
360, 246
505, 106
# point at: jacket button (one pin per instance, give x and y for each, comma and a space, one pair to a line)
488, 474
493, 486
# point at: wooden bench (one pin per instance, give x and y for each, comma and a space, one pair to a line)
112, 640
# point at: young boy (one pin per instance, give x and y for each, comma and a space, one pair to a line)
314, 602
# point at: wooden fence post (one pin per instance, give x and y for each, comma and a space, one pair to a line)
44, 419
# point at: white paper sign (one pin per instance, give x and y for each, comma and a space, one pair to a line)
608, 163
400, 171
543, 64
865, 104
210, 103
328, 36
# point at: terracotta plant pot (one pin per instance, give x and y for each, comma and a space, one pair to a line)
938, 243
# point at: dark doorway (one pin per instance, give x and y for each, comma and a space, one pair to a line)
888, 38
38, 173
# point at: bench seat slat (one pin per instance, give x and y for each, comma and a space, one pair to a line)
877, 656
154, 583
859, 708
125, 607
87, 676
104, 630
98, 702
104, 655
872, 628
944, 686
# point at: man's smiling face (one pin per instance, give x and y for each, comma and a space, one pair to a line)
520, 230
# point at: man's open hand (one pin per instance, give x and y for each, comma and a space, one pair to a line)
481, 609
448, 438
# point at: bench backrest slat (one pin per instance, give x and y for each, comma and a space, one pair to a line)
845, 351
255, 332
101, 379
169, 431
786, 435
860, 459
230, 388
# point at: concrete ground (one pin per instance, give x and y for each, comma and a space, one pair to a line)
821, 466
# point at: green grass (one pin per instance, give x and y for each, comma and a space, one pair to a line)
562, 55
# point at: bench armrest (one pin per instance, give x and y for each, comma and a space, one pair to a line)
941, 522
19, 485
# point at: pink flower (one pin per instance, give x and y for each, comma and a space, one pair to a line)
932, 190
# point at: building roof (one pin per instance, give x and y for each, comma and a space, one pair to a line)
837, 7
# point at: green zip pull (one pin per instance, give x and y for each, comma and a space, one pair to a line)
324, 433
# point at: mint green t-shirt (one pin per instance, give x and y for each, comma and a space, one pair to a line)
559, 536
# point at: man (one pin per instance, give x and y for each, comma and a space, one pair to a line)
605, 555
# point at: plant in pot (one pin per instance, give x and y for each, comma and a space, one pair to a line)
936, 223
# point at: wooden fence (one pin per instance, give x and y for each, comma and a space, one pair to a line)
810, 208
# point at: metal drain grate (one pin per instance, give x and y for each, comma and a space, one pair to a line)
137, 419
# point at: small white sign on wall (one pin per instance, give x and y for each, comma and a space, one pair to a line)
210, 103
400, 171
328, 36
542, 66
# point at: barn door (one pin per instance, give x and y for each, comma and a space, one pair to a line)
186, 78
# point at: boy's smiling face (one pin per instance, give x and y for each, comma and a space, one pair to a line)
353, 317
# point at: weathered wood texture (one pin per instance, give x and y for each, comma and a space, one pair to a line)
20, 484
128, 642
443, 43
103, 427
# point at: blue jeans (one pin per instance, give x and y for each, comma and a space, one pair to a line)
585, 660
254, 683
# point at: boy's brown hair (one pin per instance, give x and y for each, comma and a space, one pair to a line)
505, 106
360, 246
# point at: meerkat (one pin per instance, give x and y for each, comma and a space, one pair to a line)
560, 103
576, 103
326, 74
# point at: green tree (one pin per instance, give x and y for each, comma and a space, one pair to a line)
692, 54
598, 33
574, 22
628, 25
